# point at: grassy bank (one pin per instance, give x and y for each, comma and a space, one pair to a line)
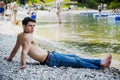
65, 4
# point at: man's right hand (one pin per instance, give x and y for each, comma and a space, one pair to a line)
7, 58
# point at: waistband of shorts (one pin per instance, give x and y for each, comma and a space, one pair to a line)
48, 58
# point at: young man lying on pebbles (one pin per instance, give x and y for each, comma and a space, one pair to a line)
30, 47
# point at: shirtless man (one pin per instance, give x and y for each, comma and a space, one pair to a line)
30, 47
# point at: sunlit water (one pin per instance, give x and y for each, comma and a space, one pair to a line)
97, 37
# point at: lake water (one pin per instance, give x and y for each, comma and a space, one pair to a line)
97, 37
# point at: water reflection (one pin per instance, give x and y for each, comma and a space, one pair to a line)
113, 23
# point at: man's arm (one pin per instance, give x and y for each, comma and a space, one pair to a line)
25, 49
14, 51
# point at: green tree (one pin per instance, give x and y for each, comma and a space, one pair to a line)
81, 1
33, 1
114, 4
22, 2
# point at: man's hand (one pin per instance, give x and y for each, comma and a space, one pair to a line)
7, 58
23, 66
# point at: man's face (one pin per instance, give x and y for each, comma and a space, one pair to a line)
29, 28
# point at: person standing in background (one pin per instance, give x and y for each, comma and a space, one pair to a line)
14, 10
8, 12
99, 10
33, 14
2, 8
57, 5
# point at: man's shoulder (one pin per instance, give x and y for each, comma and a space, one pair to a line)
19, 34
25, 35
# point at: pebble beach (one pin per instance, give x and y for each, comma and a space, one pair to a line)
35, 71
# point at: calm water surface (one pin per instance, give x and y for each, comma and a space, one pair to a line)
97, 37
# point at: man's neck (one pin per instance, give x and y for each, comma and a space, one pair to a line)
27, 32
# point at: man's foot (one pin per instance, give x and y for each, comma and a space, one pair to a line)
106, 62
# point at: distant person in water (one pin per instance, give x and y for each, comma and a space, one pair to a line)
33, 14
31, 48
59, 16
57, 5
14, 9
99, 10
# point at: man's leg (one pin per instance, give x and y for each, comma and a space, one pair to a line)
75, 61
59, 59
84, 64
105, 63
93, 61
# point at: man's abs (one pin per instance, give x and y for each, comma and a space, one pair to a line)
37, 53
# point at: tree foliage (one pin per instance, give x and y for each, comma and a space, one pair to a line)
114, 4
94, 3
34, 1
88, 3
91, 3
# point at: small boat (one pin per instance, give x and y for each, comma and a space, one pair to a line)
107, 15
96, 15
114, 16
